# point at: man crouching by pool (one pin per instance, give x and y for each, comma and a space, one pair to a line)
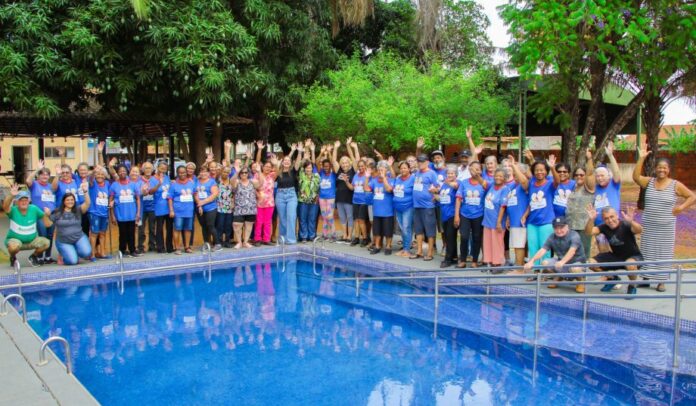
22, 234
567, 246
621, 235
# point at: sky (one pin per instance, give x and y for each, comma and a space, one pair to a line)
675, 113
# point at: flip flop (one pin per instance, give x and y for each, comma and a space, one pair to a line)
415, 256
427, 258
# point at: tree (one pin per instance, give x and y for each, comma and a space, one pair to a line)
388, 103
592, 42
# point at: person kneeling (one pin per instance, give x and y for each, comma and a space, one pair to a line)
567, 246
71, 241
23, 234
621, 236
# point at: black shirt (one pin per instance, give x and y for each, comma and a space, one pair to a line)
287, 179
622, 240
343, 194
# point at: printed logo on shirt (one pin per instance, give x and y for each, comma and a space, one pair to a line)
512, 198
126, 196
325, 184
358, 186
445, 196
399, 191
379, 193
561, 197
473, 198
102, 199
48, 196
202, 193
601, 201
489, 201
538, 201
186, 196
418, 184
22, 230
165, 191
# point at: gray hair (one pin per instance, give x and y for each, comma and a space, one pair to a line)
490, 158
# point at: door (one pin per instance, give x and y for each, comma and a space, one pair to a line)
21, 159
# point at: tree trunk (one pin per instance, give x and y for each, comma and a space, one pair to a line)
216, 142
183, 148
627, 114
568, 142
197, 141
597, 76
263, 126
652, 120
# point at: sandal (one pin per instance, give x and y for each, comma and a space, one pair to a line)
427, 258
461, 265
177, 252
415, 256
661, 287
188, 250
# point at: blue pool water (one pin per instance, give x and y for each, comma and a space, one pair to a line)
258, 336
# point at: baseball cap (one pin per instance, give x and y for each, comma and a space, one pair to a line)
422, 158
465, 153
437, 152
560, 221
22, 195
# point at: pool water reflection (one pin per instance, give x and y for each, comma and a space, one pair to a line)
258, 336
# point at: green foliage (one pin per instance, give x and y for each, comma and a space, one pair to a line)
681, 142
624, 145
389, 103
463, 38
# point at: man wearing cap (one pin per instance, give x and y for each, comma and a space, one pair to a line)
567, 246
424, 187
22, 234
621, 236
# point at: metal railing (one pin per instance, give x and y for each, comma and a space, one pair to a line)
121, 284
438, 275
66, 349
209, 276
22, 302
314, 255
18, 271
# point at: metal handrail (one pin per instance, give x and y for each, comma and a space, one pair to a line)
66, 348
209, 277
281, 241
141, 271
314, 256
122, 285
18, 272
538, 283
3, 306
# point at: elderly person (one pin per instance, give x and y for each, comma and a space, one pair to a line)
99, 211
424, 187
149, 186
468, 215
124, 198
580, 198
608, 188
660, 214
382, 187
621, 235
567, 248
403, 206
43, 196
71, 242
308, 201
22, 234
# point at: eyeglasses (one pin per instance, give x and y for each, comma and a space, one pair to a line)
65, 173
579, 175
243, 173
562, 171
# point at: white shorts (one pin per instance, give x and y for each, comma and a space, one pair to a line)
518, 237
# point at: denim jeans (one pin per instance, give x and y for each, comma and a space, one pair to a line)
223, 225
286, 205
48, 233
405, 220
308, 220
71, 253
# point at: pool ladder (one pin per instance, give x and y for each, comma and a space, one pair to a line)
66, 348
120, 284
22, 302
208, 276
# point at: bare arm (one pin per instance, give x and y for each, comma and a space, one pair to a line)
638, 177
85, 205
589, 173
7, 203
686, 193
616, 174
334, 156
590, 228
519, 176
472, 146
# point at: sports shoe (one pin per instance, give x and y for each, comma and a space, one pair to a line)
217, 247
354, 242
580, 288
33, 261
632, 290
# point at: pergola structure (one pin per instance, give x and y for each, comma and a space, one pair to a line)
115, 126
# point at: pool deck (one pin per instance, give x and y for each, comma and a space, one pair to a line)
49, 384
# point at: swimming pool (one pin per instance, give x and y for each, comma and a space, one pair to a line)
255, 335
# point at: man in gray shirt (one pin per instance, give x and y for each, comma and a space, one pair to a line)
566, 246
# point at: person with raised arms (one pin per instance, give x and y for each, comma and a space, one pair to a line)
23, 233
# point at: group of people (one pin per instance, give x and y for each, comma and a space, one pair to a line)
502, 209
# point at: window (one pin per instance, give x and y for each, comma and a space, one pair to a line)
52, 152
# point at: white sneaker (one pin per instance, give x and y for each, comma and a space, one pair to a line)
617, 286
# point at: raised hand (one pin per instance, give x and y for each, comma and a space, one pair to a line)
551, 161
511, 158
390, 160
609, 149
528, 154
469, 132
100, 146
591, 211
348, 141
113, 161
41, 165
14, 189
60, 151
629, 214
354, 145
312, 146
337, 144
293, 147
47, 211
228, 145
209, 157
643, 151
57, 169
260, 144
420, 142
84, 186
478, 150
588, 154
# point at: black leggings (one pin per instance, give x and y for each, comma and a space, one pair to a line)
450, 239
470, 229
207, 220
126, 237
159, 233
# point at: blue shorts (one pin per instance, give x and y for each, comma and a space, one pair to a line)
98, 224
183, 223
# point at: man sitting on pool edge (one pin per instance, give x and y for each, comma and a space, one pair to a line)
567, 246
23, 234
621, 236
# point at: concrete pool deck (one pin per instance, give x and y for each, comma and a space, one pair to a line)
50, 384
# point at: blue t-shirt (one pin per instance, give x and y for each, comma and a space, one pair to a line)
471, 194
441, 175
327, 185
125, 195
447, 201
80, 194
181, 195
204, 190
382, 202
560, 198
609, 195
403, 193
360, 196
99, 195
488, 178
424, 180
541, 203
42, 196
147, 202
517, 202
161, 197
495, 198
69, 187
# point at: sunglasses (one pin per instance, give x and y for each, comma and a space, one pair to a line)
243, 173
579, 175
562, 171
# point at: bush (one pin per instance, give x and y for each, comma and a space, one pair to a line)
681, 142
